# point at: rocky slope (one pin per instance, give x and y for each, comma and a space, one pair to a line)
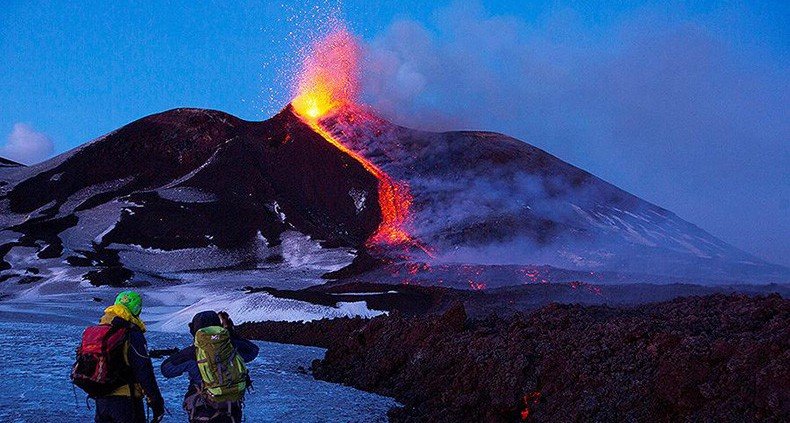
323, 333
183, 190
192, 190
417, 300
713, 358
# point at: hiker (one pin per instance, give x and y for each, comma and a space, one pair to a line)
218, 377
113, 365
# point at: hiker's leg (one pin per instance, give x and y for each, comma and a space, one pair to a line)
139, 411
120, 409
222, 419
235, 416
236, 412
102, 415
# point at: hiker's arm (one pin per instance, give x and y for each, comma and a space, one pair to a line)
246, 349
178, 363
142, 367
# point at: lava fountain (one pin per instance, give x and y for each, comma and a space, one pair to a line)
328, 80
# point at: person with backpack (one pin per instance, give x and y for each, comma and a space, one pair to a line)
113, 365
215, 363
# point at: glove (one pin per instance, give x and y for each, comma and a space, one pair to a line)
158, 409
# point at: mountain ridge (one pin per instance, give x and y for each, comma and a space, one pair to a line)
201, 189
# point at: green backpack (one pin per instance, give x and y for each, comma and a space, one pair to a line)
222, 369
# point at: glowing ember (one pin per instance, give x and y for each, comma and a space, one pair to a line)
533, 275
477, 286
530, 401
327, 81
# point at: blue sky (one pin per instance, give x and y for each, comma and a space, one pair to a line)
682, 103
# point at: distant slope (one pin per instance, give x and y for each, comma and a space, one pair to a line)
482, 197
8, 163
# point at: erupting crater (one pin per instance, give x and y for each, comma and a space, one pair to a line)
328, 80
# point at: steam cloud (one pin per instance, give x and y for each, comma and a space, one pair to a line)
663, 106
26, 145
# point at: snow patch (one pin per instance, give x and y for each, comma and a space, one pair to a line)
275, 208
300, 251
262, 307
186, 195
359, 196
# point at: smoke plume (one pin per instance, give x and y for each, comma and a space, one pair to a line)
666, 106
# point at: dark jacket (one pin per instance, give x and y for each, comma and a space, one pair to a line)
184, 361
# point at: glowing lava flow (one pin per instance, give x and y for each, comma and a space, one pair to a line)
327, 81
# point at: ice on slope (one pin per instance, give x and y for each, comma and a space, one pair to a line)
261, 306
186, 195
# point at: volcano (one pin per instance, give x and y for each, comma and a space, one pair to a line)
192, 189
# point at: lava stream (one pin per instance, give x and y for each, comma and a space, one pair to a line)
394, 197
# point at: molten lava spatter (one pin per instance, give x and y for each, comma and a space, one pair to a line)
328, 80
329, 76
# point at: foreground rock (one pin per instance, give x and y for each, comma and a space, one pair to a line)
714, 358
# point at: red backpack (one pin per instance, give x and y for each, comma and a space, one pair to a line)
101, 366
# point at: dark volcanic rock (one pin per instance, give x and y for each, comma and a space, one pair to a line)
268, 176
26, 280
415, 300
53, 249
714, 358
112, 276
148, 152
218, 191
405, 299
324, 333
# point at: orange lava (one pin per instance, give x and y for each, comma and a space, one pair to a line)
530, 400
394, 198
328, 80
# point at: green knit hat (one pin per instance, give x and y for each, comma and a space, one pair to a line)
131, 300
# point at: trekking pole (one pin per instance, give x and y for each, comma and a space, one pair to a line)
74, 391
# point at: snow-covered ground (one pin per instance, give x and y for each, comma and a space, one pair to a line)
37, 353
171, 298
